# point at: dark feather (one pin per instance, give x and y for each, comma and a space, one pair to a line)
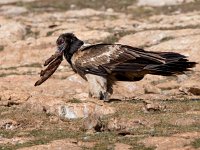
122, 61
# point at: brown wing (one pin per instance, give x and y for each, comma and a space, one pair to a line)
104, 59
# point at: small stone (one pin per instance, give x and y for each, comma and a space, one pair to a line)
124, 126
8, 124
82, 110
93, 122
114, 125
54, 119
110, 10
150, 106
72, 6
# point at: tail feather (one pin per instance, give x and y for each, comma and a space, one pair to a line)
174, 64
171, 55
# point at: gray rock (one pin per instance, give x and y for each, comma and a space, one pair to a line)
82, 110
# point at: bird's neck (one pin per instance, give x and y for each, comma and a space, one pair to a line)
68, 55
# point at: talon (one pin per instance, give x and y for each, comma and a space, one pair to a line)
104, 96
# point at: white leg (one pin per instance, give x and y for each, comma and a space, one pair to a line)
97, 87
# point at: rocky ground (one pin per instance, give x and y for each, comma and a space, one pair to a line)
156, 113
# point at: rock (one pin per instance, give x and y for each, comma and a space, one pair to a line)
56, 145
122, 146
11, 32
110, 10
93, 123
12, 10
53, 119
160, 3
150, 89
153, 106
124, 125
113, 125
9, 97
74, 111
64, 109
8, 124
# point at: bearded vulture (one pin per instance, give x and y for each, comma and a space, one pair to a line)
103, 64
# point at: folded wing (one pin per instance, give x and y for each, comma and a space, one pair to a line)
106, 59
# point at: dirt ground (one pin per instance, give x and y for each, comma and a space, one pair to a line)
157, 112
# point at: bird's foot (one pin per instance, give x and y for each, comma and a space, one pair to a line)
100, 96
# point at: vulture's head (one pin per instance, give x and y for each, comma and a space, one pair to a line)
68, 43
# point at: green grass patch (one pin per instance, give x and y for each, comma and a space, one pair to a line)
1, 48
75, 100
196, 143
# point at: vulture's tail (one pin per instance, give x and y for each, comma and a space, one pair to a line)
174, 64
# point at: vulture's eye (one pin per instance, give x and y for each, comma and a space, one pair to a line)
60, 41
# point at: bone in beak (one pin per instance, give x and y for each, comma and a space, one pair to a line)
53, 63
53, 57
